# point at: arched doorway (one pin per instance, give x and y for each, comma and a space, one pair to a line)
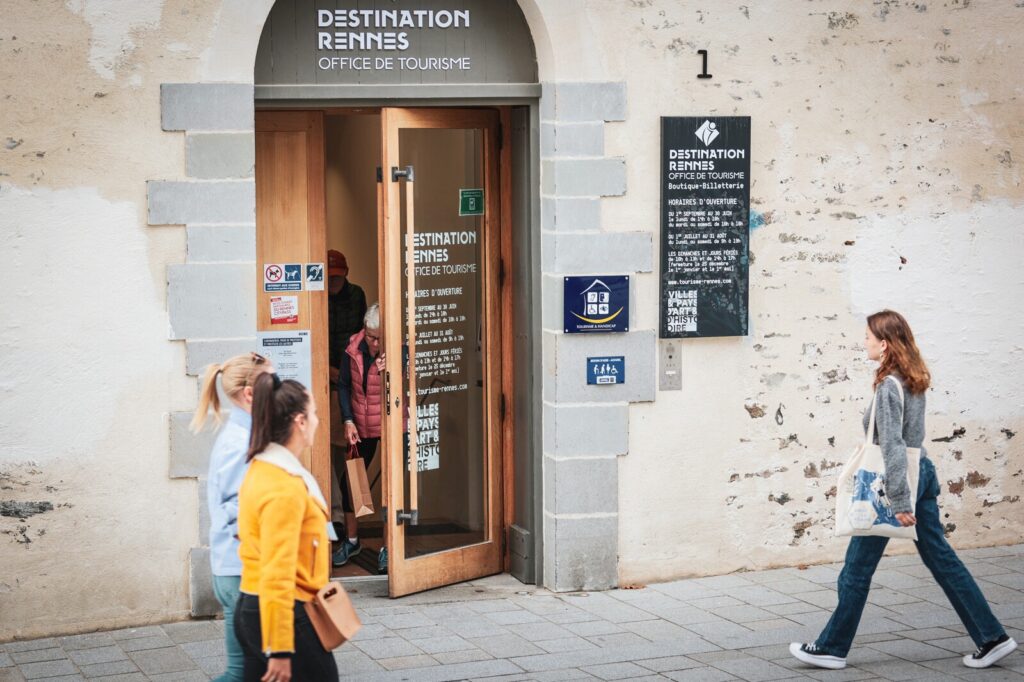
406, 138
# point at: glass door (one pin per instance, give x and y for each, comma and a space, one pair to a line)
442, 383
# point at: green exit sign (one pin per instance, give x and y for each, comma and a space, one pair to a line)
471, 202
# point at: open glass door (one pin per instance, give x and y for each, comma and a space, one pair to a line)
440, 313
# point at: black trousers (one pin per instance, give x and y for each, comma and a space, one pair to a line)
367, 449
310, 663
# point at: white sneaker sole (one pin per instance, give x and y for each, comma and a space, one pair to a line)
829, 662
997, 654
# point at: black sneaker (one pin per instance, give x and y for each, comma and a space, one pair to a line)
990, 652
812, 655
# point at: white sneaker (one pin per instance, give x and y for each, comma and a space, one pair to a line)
990, 652
810, 654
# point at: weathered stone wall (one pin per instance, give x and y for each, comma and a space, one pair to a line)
887, 147
90, 373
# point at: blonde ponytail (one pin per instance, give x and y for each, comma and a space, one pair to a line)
209, 398
235, 374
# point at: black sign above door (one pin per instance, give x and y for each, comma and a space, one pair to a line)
392, 42
705, 206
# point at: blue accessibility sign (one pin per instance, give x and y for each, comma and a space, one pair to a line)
606, 370
596, 304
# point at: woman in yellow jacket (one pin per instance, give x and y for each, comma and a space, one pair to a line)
283, 525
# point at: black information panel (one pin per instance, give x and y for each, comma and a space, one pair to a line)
705, 206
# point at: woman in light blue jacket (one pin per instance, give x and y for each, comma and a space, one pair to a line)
227, 469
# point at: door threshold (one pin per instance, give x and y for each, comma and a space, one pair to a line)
345, 580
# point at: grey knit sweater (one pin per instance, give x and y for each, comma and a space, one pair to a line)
899, 425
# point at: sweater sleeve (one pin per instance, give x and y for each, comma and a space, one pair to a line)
345, 388
889, 420
280, 524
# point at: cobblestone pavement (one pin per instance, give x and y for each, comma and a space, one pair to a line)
731, 627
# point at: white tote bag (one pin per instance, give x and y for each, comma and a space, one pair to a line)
862, 507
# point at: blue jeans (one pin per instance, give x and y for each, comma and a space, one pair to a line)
225, 588
864, 553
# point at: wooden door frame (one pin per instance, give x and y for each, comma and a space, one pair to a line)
320, 465
312, 304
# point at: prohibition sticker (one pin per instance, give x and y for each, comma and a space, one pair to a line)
282, 277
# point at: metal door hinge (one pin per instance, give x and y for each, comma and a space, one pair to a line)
412, 517
380, 174
387, 391
408, 173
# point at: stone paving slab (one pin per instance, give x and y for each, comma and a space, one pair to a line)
733, 627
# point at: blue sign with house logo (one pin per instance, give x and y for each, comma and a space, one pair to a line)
605, 371
596, 304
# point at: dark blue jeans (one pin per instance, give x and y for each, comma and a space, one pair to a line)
864, 553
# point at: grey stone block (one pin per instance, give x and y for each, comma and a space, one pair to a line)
169, 660
33, 671
387, 647
189, 452
89, 641
588, 102
208, 243
576, 214
586, 430
103, 654
211, 301
569, 356
581, 486
206, 106
504, 646
547, 101
580, 553
604, 177
178, 202
31, 645
200, 583
37, 655
123, 669
220, 155
157, 640
137, 633
204, 648
199, 354
604, 253
204, 512
571, 139
552, 296
195, 631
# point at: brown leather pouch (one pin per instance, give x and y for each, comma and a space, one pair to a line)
333, 616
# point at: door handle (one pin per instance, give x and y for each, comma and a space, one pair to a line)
408, 173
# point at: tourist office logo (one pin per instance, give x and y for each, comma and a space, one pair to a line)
707, 133
365, 31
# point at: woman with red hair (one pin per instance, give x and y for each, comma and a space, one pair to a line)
899, 418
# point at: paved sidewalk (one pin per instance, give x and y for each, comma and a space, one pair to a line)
732, 627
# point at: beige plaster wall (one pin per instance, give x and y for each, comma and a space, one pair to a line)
886, 172
90, 376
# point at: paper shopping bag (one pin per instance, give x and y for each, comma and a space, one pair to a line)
359, 486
